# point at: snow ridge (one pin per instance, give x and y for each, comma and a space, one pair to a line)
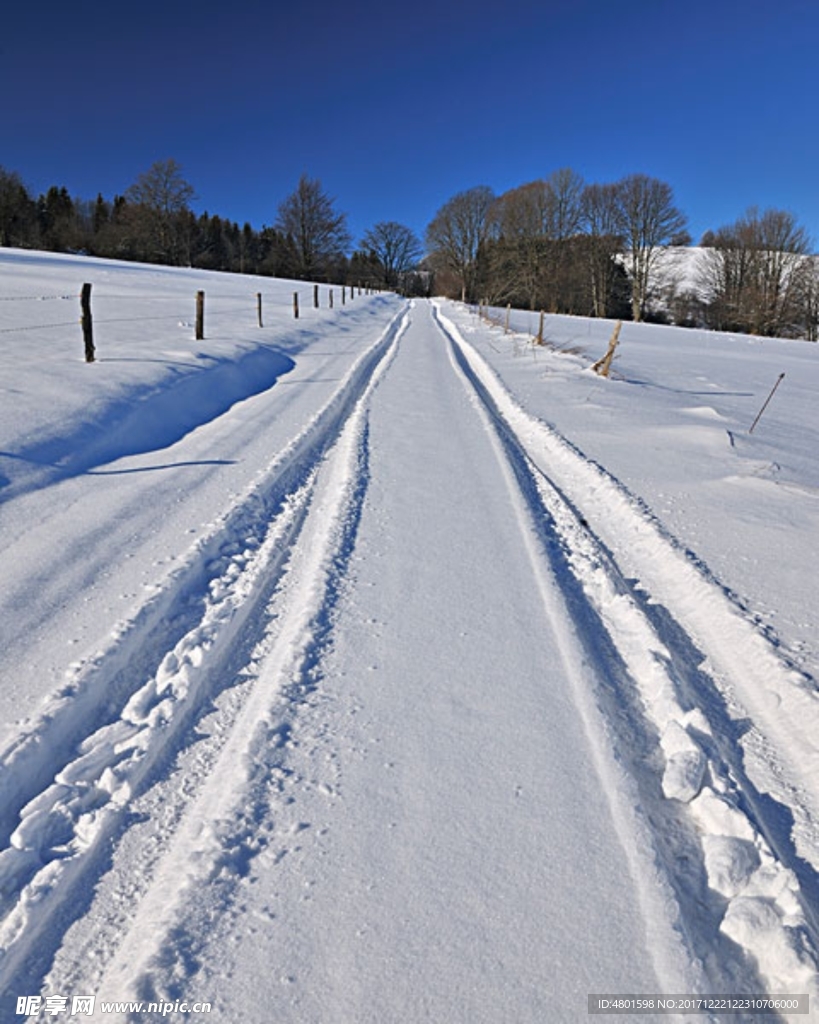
149, 418
675, 633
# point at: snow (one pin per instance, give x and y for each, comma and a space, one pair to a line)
380, 665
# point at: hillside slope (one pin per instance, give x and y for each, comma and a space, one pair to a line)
378, 666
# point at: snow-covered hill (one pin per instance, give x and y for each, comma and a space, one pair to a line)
381, 666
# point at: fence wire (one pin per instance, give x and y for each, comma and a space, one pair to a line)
35, 298
37, 327
237, 306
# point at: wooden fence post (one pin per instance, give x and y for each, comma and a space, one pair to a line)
87, 322
331, 298
200, 316
315, 296
508, 311
296, 305
540, 330
344, 295
259, 308
603, 366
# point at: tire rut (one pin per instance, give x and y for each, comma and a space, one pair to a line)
724, 841
70, 779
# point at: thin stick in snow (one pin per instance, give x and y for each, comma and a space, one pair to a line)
765, 405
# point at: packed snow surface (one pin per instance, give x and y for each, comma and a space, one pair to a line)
383, 666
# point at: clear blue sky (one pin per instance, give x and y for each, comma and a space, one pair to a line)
395, 107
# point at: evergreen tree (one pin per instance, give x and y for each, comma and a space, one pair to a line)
56, 217
18, 211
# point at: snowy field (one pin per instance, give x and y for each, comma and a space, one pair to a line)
378, 666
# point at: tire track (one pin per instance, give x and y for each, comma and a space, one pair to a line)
723, 818
234, 801
73, 776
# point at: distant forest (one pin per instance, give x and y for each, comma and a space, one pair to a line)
152, 222
557, 244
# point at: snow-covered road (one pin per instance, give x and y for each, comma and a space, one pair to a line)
426, 719
451, 848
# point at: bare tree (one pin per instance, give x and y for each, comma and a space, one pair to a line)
316, 231
564, 190
564, 211
457, 233
162, 188
599, 211
648, 220
757, 275
810, 298
535, 231
157, 204
520, 220
394, 248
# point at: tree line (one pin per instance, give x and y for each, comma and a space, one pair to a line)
602, 250
152, 221
557, 244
